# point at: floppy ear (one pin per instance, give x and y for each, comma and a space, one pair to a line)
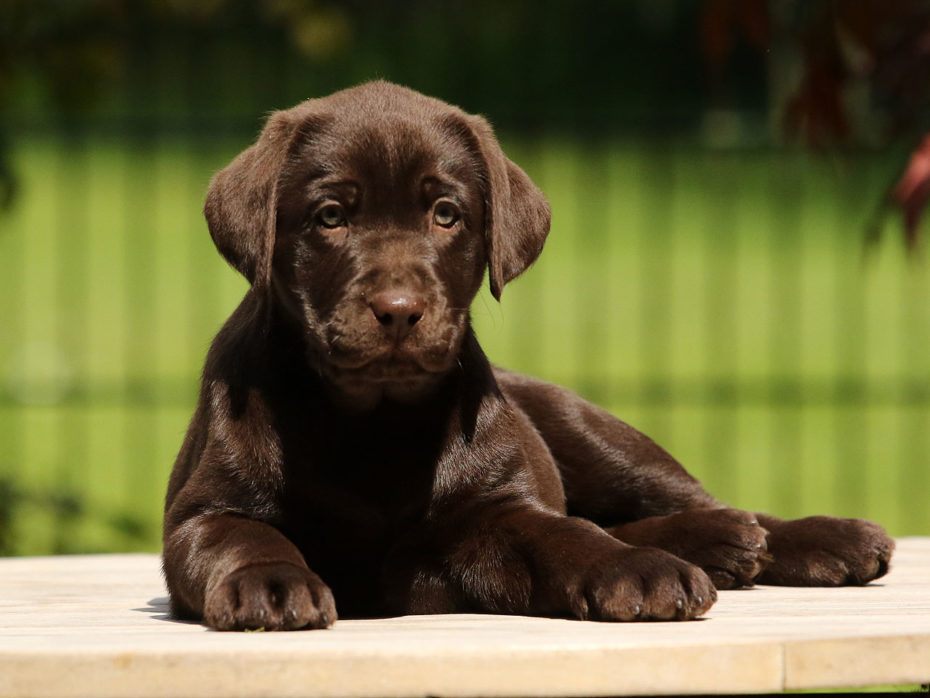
241, 205
516, 212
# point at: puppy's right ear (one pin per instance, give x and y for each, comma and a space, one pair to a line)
242, 201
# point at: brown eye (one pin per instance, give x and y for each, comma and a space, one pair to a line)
331, 216
445, 214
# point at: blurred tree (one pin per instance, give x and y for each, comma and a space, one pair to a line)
538, 63
882, 44
62, 45
68, 53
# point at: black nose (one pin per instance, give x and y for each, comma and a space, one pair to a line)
397, 311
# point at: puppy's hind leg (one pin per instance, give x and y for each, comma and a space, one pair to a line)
625, 482
611, 472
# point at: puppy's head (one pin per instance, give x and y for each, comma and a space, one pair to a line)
369, 217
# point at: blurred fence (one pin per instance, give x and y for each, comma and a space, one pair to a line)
718, 300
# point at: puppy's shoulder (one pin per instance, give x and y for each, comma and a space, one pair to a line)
240, 342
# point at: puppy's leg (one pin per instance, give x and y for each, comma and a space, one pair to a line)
622, 480
521, 559
728, 544
825, 551
611, 472
238, 574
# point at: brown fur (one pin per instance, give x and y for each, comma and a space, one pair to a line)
353, 447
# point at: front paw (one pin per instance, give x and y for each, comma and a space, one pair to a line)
269, 596
827, 551
640, 584
728, 544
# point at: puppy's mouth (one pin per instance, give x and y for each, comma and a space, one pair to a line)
366, 352
359, 383
390, 364
364, 362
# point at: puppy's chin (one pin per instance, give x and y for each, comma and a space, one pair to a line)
360, 386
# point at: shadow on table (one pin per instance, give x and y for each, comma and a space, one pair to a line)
159, 609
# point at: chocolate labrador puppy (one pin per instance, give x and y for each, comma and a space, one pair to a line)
352, 447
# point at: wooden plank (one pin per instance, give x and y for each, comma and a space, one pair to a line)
98, 626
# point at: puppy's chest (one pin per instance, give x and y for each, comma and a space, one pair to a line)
360, 483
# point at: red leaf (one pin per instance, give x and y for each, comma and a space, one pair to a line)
913, 190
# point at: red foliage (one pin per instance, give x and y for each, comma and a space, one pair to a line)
883, 42
913, 190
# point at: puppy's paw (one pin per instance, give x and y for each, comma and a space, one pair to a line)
728, 544
827, 551
643, 584
269, 596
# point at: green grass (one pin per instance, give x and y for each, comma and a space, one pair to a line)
719, 301
888, 688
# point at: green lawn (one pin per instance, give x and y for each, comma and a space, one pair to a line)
720, 301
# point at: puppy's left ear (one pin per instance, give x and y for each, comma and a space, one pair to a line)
242, 201
517, 214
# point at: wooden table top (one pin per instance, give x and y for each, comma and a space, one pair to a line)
98, 626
